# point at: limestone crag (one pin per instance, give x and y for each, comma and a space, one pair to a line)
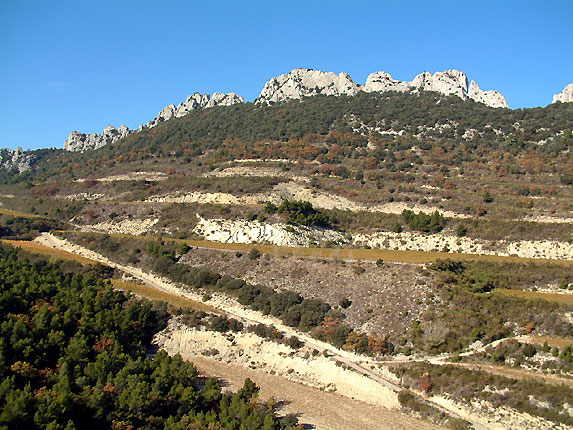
382, 81
490, 98
450, 82
194, 102
16, 159
301, 83
565, 96
80, 142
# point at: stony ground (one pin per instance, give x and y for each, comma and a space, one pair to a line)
378, 292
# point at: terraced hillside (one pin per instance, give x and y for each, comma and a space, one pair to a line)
404, 240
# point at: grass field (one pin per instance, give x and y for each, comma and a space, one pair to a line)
37, 248
20, 214
551, 297
154, 294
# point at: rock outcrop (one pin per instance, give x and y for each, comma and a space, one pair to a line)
80, 142
382, 81
490, 98
301, 83
565, 96
450, 82
194, 102
16, 159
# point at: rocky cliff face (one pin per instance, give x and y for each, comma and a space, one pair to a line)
450, 82
565, 96
80, 142
17, 159
491, 98
194, 102
301, 83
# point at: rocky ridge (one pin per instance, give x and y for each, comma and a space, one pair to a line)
565, 96
80, 142
301, 83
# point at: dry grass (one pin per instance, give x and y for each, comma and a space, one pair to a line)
551, 297
20, 214
390, 255
516, 373
551, 341
364, 254
154, 294
52, 253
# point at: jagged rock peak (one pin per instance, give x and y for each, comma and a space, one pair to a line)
194, 102
491, 98
16, 159
300, 83
382, 81
78, 141
565, 96
448, 82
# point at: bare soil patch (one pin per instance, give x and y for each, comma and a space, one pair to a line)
323, 410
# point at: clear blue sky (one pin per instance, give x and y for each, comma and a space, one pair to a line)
83, 64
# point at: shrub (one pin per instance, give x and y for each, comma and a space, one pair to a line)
425, 223
254, 254
300, 212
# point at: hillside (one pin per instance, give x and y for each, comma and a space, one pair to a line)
402, 239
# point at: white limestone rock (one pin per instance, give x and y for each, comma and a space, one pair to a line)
301, 83
565, 96
80, 142
382, 81
449, 82
16, 159
194, 102
490, 98
221, 99
240, 231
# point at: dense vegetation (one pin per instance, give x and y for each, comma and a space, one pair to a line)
527, 395
226, 128
25, 228
433, 223
72, 355
301, 212
473, 313
333, 129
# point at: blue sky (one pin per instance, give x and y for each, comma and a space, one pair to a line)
80, 65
